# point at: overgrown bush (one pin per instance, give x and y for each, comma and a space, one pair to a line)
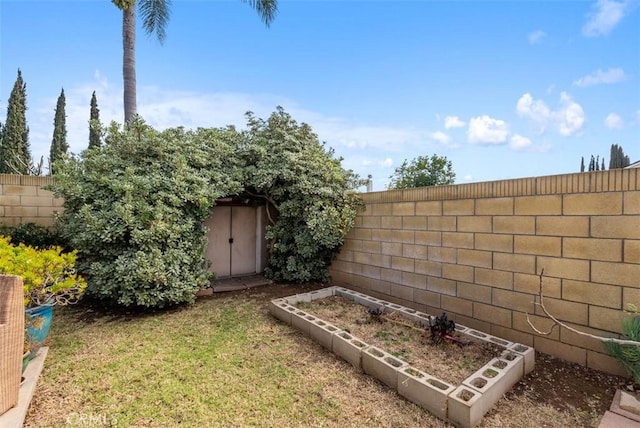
34, 235
308, 192
134, 208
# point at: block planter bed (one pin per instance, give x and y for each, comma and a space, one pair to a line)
462, 399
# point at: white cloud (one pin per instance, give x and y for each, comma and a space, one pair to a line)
487, 130
536, 111
386, 163
536, 36
468, 177
441, 137
598, 77
613, 121
570, 116
453, 122
604, 16
518, 142
567, 119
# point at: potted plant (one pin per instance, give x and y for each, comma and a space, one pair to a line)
49, 279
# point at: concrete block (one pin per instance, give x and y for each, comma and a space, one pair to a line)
614, 420
424, 390
462, 329
322, 332
529, 355
298, 298
627, 405
349, 348
382, 366
495, 378
322, 293
393, 307
346, 293
302, 321
479, 336
280, 309
464, 407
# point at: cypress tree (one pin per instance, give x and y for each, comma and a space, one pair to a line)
15, 153
618, 159
94, 123
598, 163
582, 164
59, 145
602, 167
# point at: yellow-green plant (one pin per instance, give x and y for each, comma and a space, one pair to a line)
48, 275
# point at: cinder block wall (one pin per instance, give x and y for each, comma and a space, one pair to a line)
23, 200
475, 251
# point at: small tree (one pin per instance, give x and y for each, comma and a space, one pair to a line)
618, 159
582, 164
423, 171
95, 127
15, 153
59, 145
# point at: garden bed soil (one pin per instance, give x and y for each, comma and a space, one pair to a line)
555, 387
449, 361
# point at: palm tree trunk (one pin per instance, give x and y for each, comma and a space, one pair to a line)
129, 61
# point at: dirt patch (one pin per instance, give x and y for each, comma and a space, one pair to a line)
449, 361
556, 393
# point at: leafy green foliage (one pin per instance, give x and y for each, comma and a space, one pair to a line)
48, 274
135, 207
59, 145
423, 171
34, 235
628, 355
307, 190
15, 153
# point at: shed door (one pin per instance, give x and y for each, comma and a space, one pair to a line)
232, 240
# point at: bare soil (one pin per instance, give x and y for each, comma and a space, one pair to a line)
555, 392
449, 361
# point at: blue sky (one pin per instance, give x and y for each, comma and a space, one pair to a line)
504, 89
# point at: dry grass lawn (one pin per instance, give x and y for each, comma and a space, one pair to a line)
226, 362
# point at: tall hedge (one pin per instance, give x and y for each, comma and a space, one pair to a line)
307, 191
135, 206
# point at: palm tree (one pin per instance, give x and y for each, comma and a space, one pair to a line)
155, 17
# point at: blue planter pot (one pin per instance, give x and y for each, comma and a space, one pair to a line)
38, 324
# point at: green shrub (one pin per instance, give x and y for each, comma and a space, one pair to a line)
34, 235
306, 188
48, 275
628, 355
134, 208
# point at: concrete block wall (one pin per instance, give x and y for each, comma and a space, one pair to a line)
475, 251
23, 200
